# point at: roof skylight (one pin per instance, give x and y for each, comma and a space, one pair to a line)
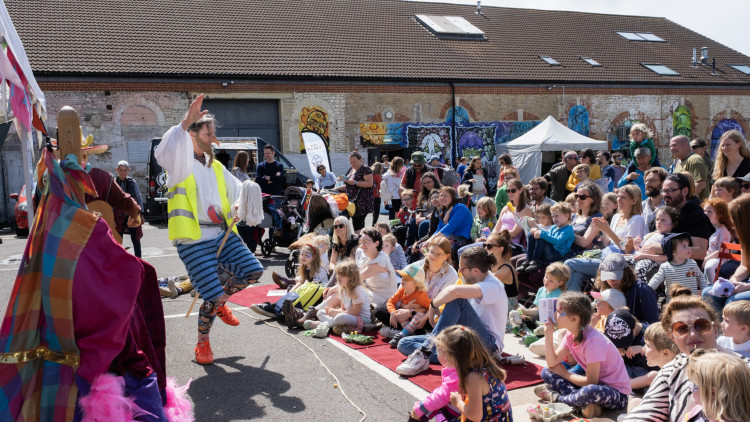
741, 67
550, 60
591, 61
640, 36
450, 26
660, 69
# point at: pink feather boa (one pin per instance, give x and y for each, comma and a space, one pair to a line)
106, 402
178, 407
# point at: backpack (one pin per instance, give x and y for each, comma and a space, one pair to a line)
450, 177
306, 295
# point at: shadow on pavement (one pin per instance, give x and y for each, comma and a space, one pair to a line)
222, 395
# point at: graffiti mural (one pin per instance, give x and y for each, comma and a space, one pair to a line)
313, 119
578, 120
724, 125
681, 121
432, 139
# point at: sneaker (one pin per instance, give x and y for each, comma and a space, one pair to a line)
279, 282
532, 267
515, 317
387, 332
291, 314
265, 309
308, 316
546, 394
203, 353
591, 410
173, 288
322, 330
227, 316
341, 329
164, 291
414, 364
310, 325
394, 341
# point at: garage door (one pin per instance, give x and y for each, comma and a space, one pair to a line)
247, 118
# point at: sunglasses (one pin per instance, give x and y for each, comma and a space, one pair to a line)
339, 226
489, 246
700, 325
514, 190
582, 197
695, 146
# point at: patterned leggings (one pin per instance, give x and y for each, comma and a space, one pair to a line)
207, 311
641, 267
573, 395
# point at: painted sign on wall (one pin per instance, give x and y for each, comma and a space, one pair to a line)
313, 119
578, 120
681, 121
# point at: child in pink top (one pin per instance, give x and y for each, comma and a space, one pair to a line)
604, 383
717, 212
439, 401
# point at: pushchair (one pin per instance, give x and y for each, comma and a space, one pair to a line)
288, 207
320, 215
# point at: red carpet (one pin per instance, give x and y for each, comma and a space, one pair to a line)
519, 376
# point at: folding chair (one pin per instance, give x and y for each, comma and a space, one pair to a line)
725, 254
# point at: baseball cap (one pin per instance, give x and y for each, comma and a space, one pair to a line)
667, 243
614, 297
417, 157
414, 272
619, 328
612, 266
435, 157
123, 163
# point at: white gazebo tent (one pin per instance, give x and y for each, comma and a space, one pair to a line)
34, 98
550, 135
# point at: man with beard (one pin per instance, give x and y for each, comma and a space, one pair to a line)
617, 165
201, 193
602, 158
654, 178
538, 193
692, 219
558, 176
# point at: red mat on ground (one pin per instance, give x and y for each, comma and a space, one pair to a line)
519, 376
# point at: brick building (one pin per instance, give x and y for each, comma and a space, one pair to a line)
381, 76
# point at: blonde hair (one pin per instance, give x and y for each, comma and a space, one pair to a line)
407, 192
585, 167
349, 269
634, 192
724, 383
307, 273
384, 226
660, 339
463, 190
390, 238
487, 205
349, 229
321, 240
562, 207
468, 353
559, 271
570, 200
739, 310
721, 160
641, 127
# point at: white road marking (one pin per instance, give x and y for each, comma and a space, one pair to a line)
236, 308
416, 391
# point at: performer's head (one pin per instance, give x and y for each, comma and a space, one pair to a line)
203, 133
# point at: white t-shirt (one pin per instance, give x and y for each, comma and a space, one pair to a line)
361, 297
392, 182
635, 227
728, 343
492, 307
382, 285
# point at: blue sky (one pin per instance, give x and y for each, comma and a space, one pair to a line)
724, 22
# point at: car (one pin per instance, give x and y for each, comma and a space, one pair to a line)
156, 199
21, 212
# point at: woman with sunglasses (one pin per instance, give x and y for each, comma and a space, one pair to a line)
499, 245
692, 324
733, 157
345, 241
517, 196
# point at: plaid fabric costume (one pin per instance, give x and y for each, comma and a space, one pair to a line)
48, 358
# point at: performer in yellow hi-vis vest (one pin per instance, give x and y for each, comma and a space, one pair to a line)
201, 193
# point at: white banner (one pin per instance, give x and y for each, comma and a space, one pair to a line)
317, 154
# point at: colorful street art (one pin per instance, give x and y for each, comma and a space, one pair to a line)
723, 126
681, 121
578, 120
313, 119
432, 139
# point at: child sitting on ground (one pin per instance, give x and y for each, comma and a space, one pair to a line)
485, 220
354, 307
665, 220
659, 350
679, 268
323, 243
395, 252
481, 395
721, 387
717, 212
439, 401
627, 334
736, 328
605, 382
407, 307
606, 302
548, 246
556, 276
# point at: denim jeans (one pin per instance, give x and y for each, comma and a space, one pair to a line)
458, 311
581, 269
541, 251
424, 227
718, 303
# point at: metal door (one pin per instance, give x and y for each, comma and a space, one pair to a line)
247, 118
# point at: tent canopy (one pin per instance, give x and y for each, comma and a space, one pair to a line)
550, 135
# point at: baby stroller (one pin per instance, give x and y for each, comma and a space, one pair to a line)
288, 209
320, 215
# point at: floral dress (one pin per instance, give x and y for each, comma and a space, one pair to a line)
364, 196
495, 404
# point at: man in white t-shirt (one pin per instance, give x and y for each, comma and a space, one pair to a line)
480, 303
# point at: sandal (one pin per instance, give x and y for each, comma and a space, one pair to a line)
356, 338
545, 394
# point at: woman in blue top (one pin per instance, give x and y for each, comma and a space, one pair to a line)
455, 221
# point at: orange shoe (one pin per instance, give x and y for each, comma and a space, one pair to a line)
203, 353
227, 316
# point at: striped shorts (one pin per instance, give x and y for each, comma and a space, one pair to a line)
202, 264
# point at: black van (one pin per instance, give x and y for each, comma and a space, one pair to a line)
156, 199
